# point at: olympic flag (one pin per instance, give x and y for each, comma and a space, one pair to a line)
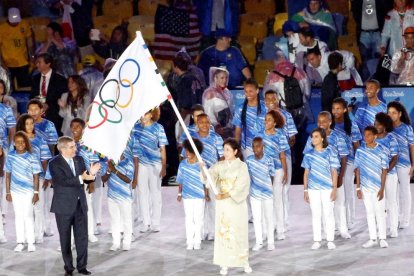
133, 87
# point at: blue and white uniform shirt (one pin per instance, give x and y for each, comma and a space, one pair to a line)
274, 144
350, 139
88, 157
118, 190
390, 146
254, 123
371, 162
260, 171
7, 121
22, 168
46, 129
148, 141
189, 176
405, 138
320, 164
289, 128
365, 114
336, 141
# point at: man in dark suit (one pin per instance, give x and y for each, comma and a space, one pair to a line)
69, 174
49, 87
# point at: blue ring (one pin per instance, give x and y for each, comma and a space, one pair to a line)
119, 72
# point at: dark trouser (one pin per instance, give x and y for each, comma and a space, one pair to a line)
22, 75
79, 222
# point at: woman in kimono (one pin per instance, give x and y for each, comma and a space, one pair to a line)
231, 179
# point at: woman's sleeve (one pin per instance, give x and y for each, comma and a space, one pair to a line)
241, 188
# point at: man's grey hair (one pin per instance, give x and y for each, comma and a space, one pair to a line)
63, 142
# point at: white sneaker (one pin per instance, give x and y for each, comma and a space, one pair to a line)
197, 246
248, 269
126, 246
370, 243
190, 247
281, 237
316, 246
331, 245
403, 225
39, 240
270, 247
48, 234
155, 229
346, 236
114, 247
210, 237
257, 247
394, 234
31, 247
92, 238
3, 239
144, 229
383, 244
19, 248
223, 270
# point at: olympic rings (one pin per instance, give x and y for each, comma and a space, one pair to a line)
130, 98
117, 93
120, 69
105, 118
110, 121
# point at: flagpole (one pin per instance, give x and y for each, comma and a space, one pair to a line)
190, 139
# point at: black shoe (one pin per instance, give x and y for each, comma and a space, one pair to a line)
84, 272
67, 273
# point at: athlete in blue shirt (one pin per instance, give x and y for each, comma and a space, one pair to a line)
371, 164
320, 179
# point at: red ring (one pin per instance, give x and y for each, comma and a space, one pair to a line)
104, 119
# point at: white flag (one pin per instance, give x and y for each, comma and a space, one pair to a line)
133, 87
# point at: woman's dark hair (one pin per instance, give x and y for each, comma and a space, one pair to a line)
347, 120
197, 143
322, 132
400, 108
124, 32
82, 91
253, 82
372, 129
385, 120
277, 117
26, 139
56, 28
235, 146
21, 122
2, 82
181, 63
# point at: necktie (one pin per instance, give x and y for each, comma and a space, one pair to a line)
72, 166
43, 88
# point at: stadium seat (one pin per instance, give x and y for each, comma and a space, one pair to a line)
267, 7
106, 28
261, 69
147, 31
280, 19
117, 8
38, 20
339, 6
39, 32
349, 43
248, 48
149, 7
253, 25
141, 19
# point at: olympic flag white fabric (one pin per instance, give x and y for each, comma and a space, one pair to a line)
132, 88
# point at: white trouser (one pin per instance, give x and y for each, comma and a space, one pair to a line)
39, 215
149, 193
375, 214
286, 188
246, 153
23, 217
97, 197
194, 215
265, 206
91, 226
279, 220
405, 195
47, 196
210, 215
121, 221
1, 226
391, 193
321, 205
340, 210
349, 186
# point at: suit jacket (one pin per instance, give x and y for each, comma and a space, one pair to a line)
67, 189
57, 86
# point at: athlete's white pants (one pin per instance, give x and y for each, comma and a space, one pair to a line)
194, 215
121, 221
47, 196
209, 215
39, 214
349, 186
340, 210
23, 217
97, 197
391, 193
149, 193
405, 195
279, 212
263, 208
321, 205
286, 188
375, 210
91, 224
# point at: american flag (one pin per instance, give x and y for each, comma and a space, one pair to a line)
175, 28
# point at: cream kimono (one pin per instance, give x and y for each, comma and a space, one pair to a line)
231, 245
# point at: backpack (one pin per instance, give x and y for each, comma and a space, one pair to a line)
293, 93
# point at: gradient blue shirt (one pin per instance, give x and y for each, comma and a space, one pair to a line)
189, 176
371, 162
89, 157
254, 123
336, 141
274, 144
365, 114
390, 146
405, 138
350, 139
260, 171
148, 141
320, 164
192, 129
289, 128
22, 168
118, 190
46, 129
7, 121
